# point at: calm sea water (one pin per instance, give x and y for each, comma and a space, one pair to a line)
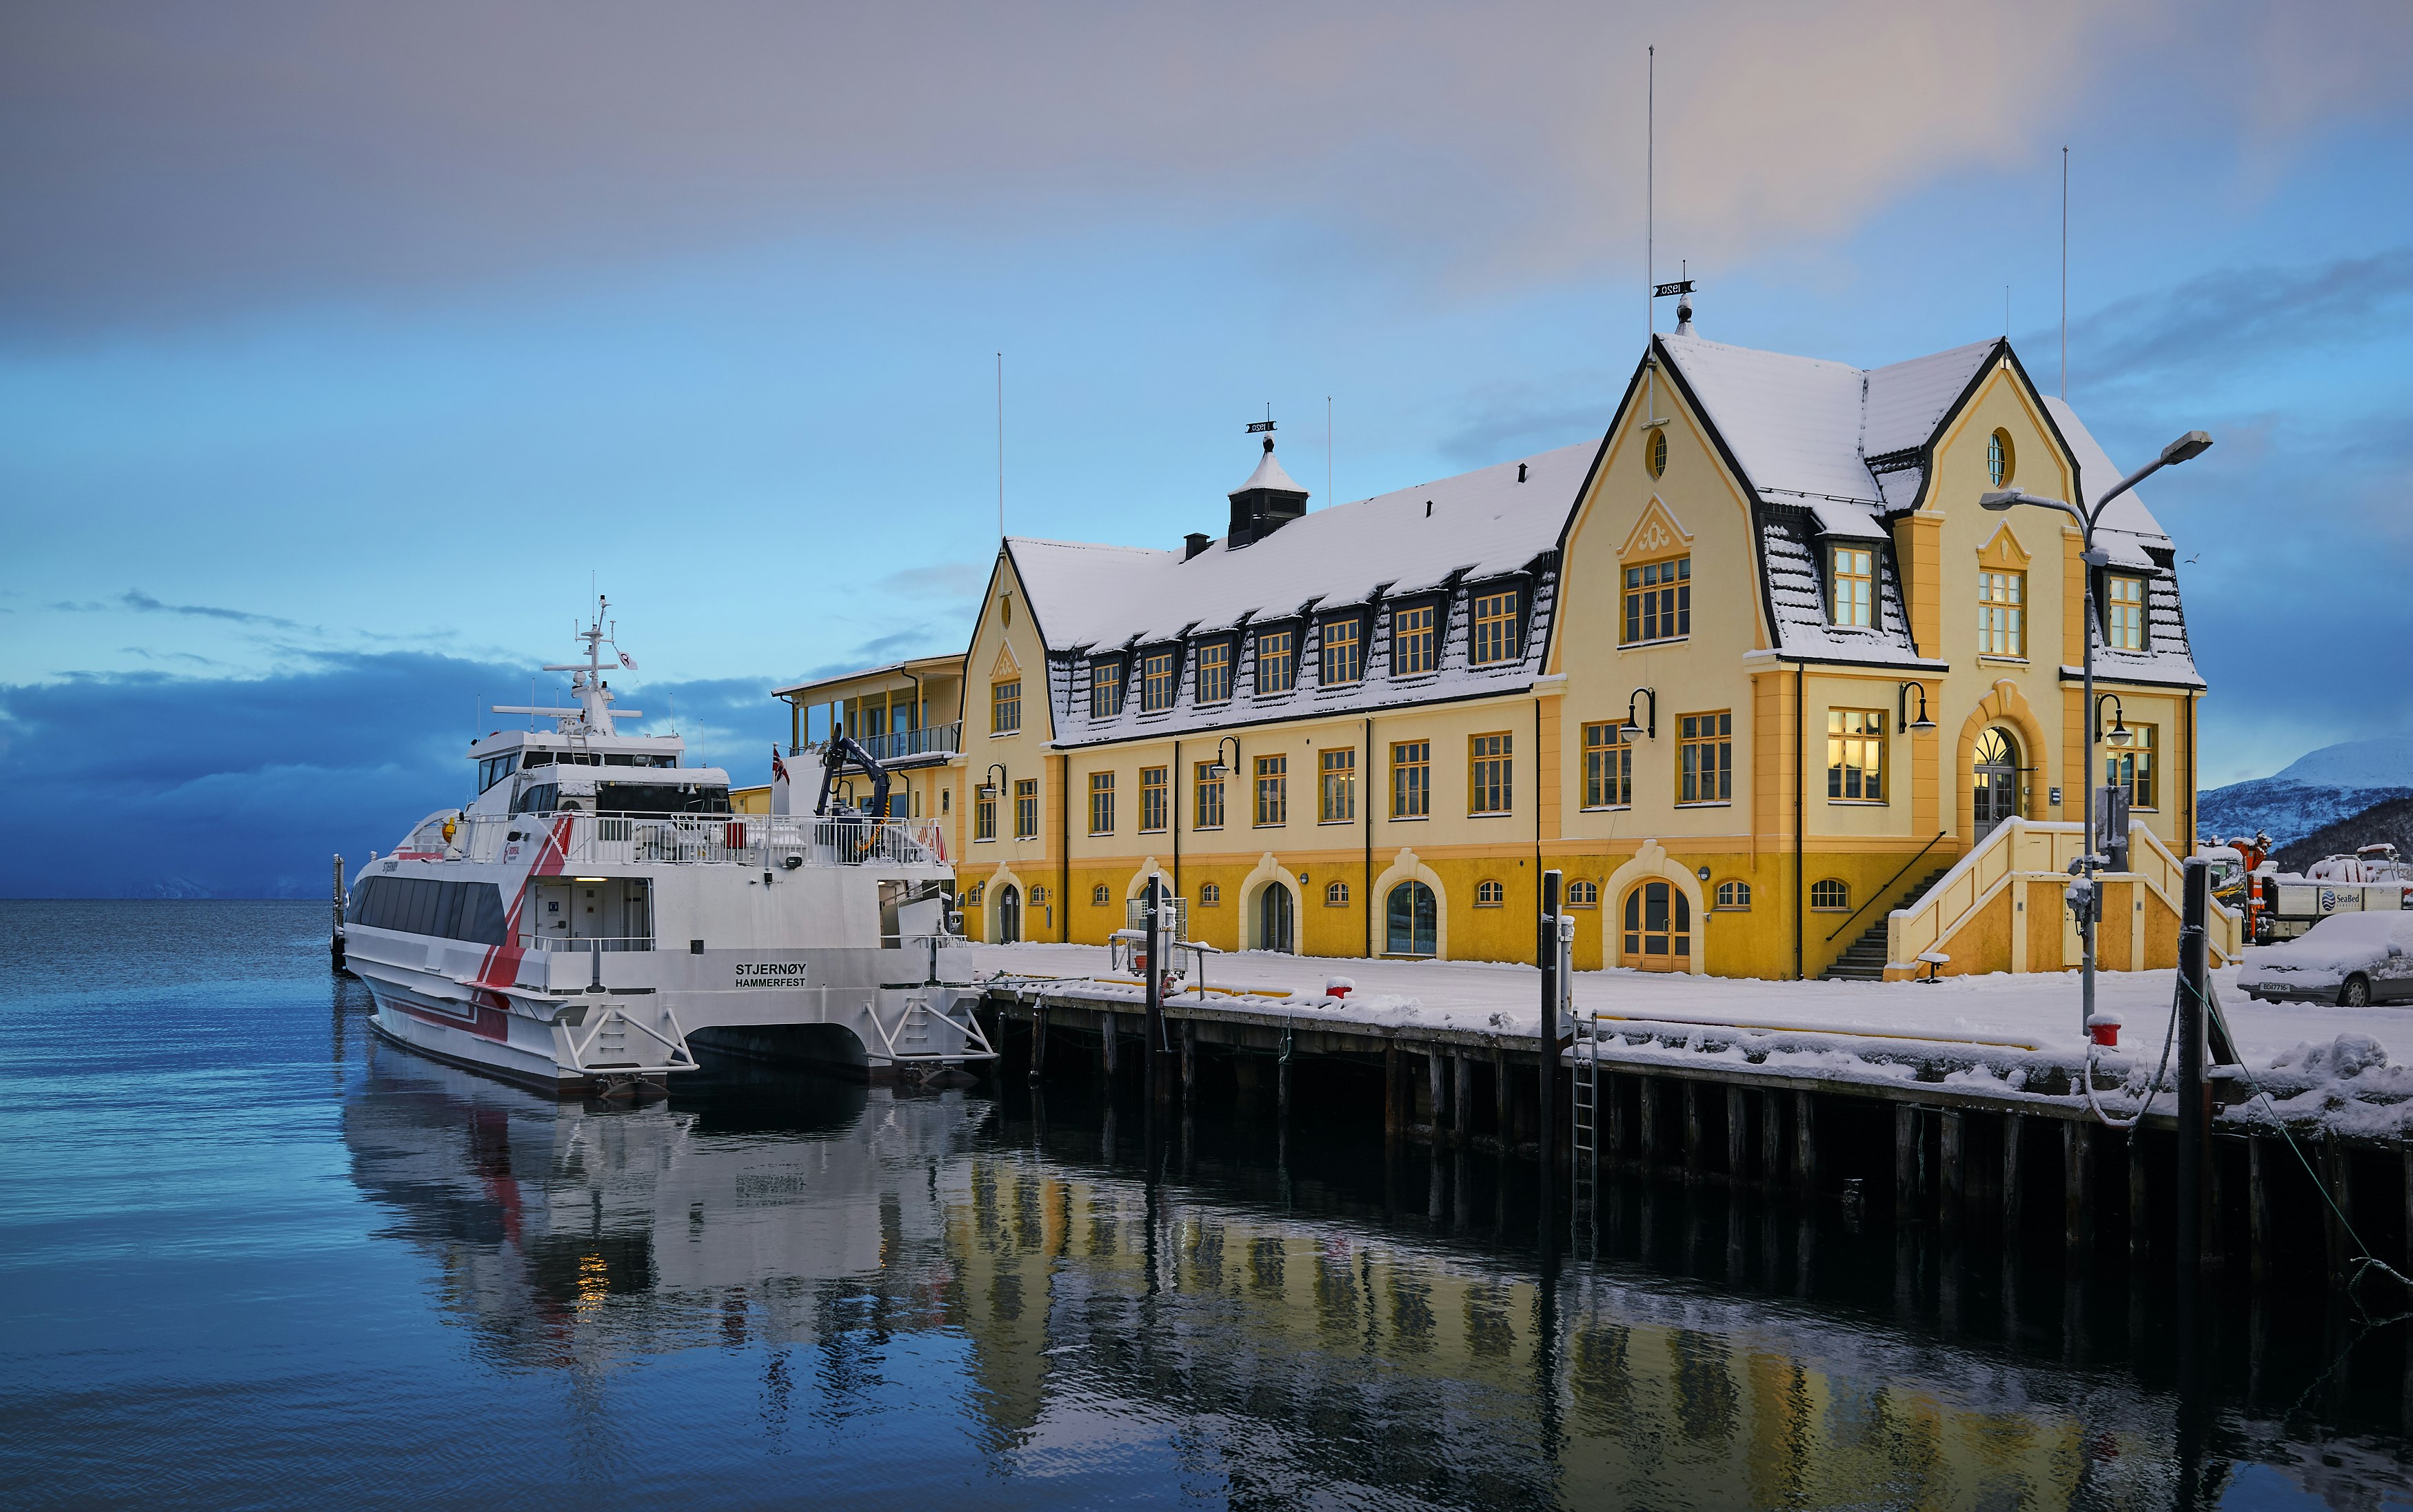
251, 1256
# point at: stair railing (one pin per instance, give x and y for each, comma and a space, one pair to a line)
1886, 890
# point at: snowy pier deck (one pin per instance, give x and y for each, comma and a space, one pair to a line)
1958, 1098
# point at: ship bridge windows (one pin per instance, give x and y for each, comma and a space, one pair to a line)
660, 798
538, 798
493, 770
467, 910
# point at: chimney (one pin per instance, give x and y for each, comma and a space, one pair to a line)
1520, 472
1194, 542
1267, 503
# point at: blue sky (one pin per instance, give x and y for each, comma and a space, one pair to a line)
340, 350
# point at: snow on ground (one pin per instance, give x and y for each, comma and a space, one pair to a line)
2347, 1066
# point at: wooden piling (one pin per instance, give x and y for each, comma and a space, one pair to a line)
1038, 1041
1805, 1141
2014, 1129
2215, 1246
2137, 1208
1502, 1105
1106, 1040
1393, 1084
1949, 1163
2258, 1209
2406, 1265
1647, 1093
1771, 1136
1189, 1058
2337, 1173
1461, 1105
2077, 1173
1692, 1130
1737, 1134
1906, 1160
1434, 1091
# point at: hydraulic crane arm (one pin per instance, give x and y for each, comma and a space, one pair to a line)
845, 751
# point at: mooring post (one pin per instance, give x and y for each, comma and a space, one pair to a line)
1737, 1134
1905, 1161
1550, 953
2013, 1128
2194, 1105
1805, 1140
1152, 1031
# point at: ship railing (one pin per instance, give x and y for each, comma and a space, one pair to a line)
764, 841
583, 944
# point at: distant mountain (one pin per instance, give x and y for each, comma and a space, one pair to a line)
2384, 763
2390, 819
2317, 790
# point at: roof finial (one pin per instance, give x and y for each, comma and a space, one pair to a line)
1266, 426
1684, 300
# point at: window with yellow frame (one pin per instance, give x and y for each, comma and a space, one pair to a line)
2002, 608
1855, 753
1005, 706
1851, 586
1493, 638
2132, 767
1337, 791
2123, 613
1490, 778
1102, 803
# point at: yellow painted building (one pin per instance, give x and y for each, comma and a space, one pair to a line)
1752, 670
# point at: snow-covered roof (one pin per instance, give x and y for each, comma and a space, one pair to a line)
1269, 474
1479, 524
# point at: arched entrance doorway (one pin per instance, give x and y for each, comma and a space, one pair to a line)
1994, 779
1658, 927
1009, 914
1411, 921
1274, 914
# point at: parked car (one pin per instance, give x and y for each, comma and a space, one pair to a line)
2347, 958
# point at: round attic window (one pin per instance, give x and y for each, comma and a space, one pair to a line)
1657, 453
1999, 460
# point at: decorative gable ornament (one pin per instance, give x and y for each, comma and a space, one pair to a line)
1655, 532
1007, 665
2003, 551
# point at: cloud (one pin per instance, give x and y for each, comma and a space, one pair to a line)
1518, 418
141, 602
2222, 322
117, 785
952, 581
164, 158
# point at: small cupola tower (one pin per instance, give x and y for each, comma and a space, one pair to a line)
1267, 501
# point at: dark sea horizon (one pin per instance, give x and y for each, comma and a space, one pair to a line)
257, 1257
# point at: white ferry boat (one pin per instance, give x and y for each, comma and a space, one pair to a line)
597, 913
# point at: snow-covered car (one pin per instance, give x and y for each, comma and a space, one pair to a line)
2347, 958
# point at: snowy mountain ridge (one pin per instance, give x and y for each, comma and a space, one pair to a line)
2314, 791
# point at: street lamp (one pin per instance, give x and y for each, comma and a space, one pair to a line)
1217, 768
1630, 731
996, 784
2185, 449
2119, 735
1921, 726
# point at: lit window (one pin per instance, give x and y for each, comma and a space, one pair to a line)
1494, 636
1609, 767
1215, 672
2001, 463
971, 900
1855, 755
1276, 662
2000, 596
1153, 791
1026, 811
1410, 780
1656, 452
1005, 706
1411, 921
1583, 895
1209, 894
1273, 791
1105, 688
1206, 806
1098, 896
1659, 601
1829, 893
985, 816
1488, 775
1705, 758
1413, 640
1849, 595
2123, 613
1345, 653
1337, 793
1336, 895
1102, 803
1733, 896
2132, 767
1489, 894
1158, 678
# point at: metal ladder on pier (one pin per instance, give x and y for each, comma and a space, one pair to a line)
1583, 1173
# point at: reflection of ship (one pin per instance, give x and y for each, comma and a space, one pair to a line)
566, 1234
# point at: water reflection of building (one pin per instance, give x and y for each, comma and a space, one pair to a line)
1419, 1369
563, 1235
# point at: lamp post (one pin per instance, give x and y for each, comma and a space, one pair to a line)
2186, 448
1219, 769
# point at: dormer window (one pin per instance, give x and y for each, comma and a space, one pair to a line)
1851, 583
1493, 636
1158, 675
1344, 651
1276, 662
1215, 672
1105, 688
1415, 640
2123, 613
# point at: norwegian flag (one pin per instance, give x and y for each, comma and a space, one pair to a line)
779, 767
626, 659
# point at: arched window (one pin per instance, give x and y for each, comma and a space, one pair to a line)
1829, 893
1659, 451
1336, 895
2001, 462
1209, 894
1098, 896
1733, 894
973, 894
1410, 921
1658, 927
1489, 894
1583, 895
